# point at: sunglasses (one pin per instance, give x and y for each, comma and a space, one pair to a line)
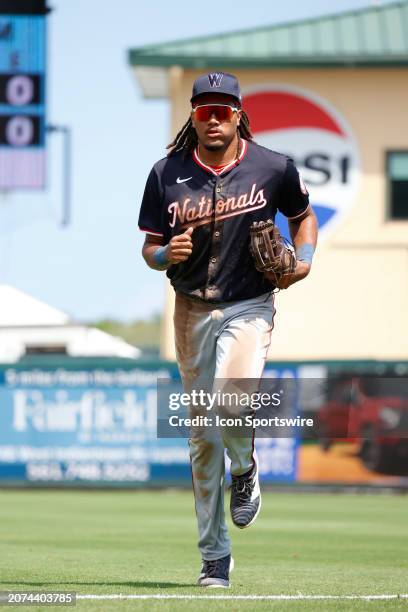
222, 112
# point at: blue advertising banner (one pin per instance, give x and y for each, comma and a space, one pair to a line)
99, 427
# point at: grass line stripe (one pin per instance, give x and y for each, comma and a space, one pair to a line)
245, 597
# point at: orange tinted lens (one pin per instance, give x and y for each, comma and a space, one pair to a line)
222, 113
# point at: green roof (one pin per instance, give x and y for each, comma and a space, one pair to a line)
377, 35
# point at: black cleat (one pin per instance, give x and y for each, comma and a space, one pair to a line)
245, 498
215, 574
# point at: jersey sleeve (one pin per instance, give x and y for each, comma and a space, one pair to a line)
294, 197
150, 216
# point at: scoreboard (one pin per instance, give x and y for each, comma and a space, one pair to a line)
22, 94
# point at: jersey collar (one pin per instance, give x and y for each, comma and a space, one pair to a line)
226, 168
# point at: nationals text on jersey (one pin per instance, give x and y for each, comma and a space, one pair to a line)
202, 211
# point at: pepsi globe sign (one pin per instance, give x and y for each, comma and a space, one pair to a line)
308, 129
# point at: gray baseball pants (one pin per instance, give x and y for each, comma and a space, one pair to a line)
215, 343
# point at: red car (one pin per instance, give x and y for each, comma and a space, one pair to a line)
372, 411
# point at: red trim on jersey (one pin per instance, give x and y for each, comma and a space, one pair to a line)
299, 214
218, 169
227, 166
142, 229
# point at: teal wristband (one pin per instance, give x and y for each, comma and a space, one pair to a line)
305, 253
160, 256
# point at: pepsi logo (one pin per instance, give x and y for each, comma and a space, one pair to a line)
319, 140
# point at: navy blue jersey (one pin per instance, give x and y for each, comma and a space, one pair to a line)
181, 192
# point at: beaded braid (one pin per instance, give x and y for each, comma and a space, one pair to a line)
187, 140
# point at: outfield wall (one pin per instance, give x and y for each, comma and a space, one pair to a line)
81, 422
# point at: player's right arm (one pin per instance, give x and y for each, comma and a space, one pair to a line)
157, 254
160, 257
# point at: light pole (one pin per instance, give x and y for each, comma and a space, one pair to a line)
66, 134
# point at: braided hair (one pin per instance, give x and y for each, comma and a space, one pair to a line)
187, 140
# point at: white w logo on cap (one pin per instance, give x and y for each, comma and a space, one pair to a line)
215, 79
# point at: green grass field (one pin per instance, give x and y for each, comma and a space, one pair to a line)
96, 542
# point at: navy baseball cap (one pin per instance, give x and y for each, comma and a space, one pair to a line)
217, 82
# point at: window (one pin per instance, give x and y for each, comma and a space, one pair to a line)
45, 349
397, 176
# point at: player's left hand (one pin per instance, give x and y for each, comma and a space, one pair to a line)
301, 271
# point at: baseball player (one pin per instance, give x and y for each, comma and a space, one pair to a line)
198, 206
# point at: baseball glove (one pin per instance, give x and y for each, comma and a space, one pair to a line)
272, 253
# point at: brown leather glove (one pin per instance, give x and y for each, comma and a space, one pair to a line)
272, 253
